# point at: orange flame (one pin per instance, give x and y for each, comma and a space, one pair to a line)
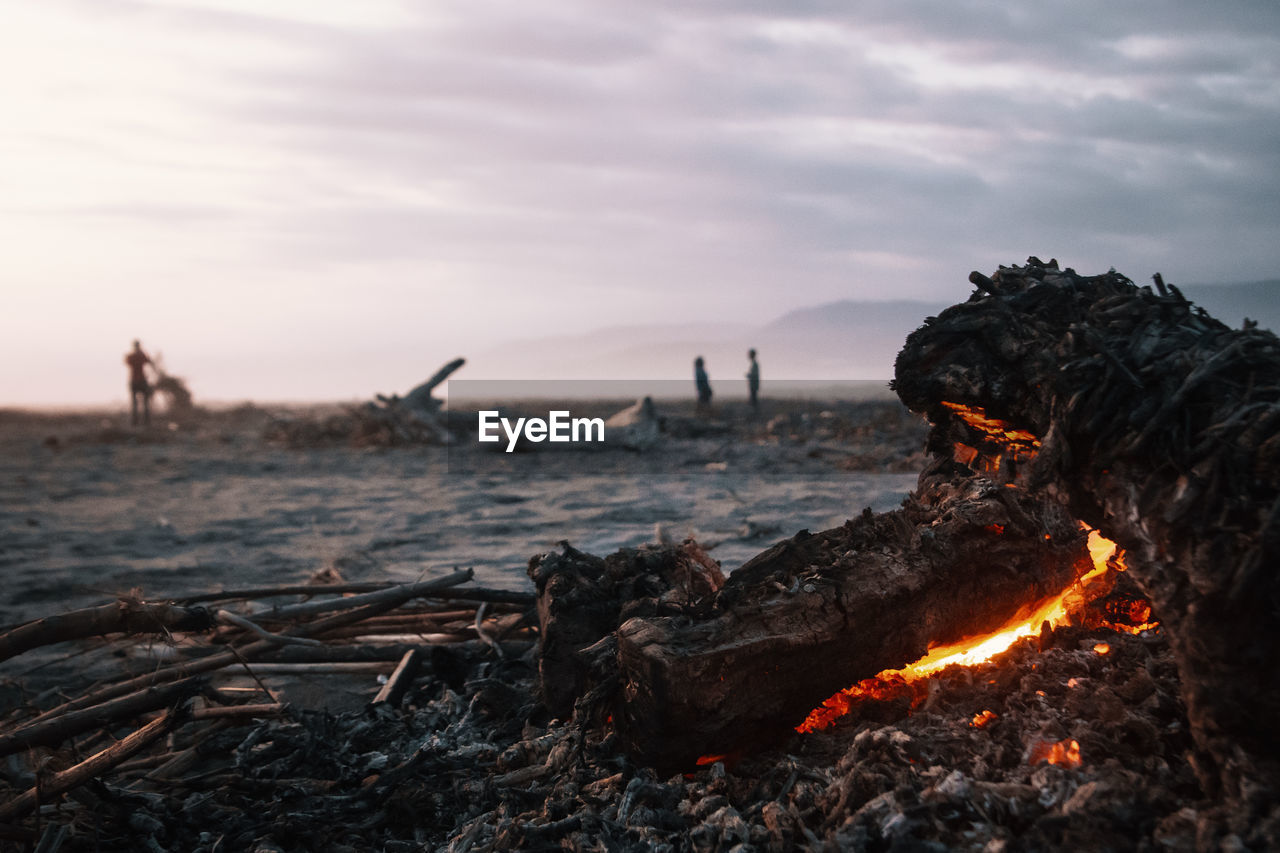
1102, 648
969, 651
977, 418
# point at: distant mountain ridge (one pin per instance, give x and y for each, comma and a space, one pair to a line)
846, 339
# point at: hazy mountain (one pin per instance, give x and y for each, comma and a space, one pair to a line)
839, 340
849, 339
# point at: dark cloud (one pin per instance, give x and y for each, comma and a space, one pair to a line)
707, 150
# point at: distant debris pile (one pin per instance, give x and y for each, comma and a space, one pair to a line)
178, 402
856, 435
636, 427
385, 421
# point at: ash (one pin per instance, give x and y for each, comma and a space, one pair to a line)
470, 762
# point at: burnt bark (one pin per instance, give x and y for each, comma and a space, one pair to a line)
818, 612
1160, 426
583, 598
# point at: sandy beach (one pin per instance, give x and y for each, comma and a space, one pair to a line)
92, 509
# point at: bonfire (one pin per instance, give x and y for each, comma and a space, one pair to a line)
1059, 641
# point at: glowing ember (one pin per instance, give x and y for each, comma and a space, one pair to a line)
980, 720
1129, 614
1102, 648
977, 418
967, 652
889, 684
704, 760
1065, 753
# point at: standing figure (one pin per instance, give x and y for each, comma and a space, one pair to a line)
703, 384
139, 387
753, 381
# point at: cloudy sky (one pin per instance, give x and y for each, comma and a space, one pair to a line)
314, 199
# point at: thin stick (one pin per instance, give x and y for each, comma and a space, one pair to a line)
433, 639
262, 709
399, 594
364, 652
393, 691
273, 591
495, 596
51, 841
391, 599
222, 712
489, 641
95, 765
226, 617
125, 616
49, 732
316, 668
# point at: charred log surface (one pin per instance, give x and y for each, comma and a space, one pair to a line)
820, 611
1161, 427
582, 599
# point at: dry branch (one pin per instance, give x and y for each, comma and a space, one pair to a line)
405, 671
396, 594
126, 616
61, 782
386, 600
226, 617
49, 731
250, 593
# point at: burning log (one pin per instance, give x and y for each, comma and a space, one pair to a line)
1158, 425
717, 676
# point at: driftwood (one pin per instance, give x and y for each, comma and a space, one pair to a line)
93, 766
54, 730
126, 616
1161, 427
90, 718
387, 420
385, 601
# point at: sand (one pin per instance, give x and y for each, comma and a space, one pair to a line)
91, 509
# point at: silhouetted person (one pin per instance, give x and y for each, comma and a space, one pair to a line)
753, 380
703, 383
137, 361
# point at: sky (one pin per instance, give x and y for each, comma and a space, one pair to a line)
313, 199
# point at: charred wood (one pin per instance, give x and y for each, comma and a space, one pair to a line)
821, 611
1160, 426
583, 598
